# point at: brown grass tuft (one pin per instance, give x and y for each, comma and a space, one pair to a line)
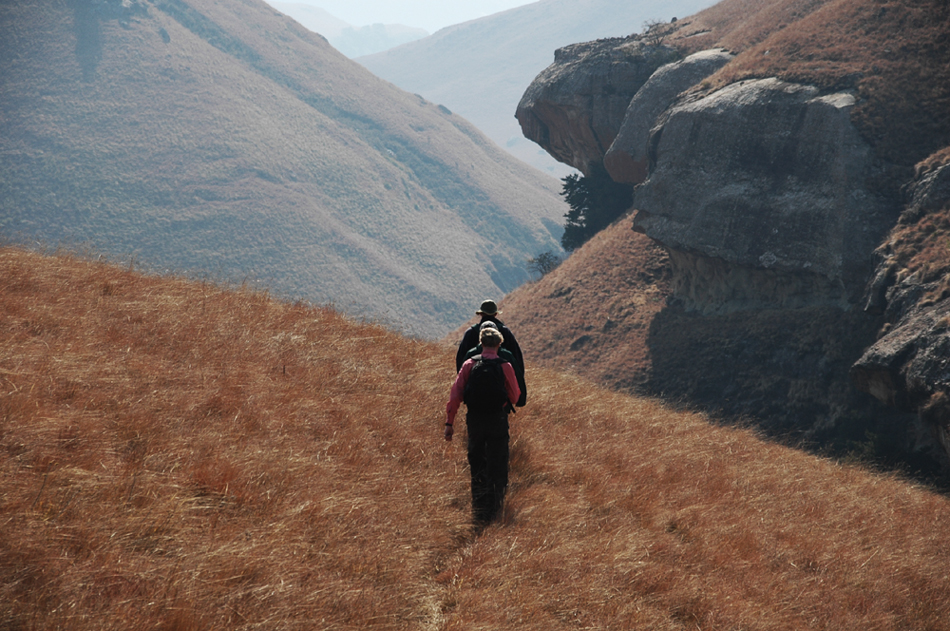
592, 314
920, 249
179, 456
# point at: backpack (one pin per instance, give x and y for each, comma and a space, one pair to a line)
485, 389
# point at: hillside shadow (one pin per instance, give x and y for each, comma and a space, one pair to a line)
786, 374
88, 33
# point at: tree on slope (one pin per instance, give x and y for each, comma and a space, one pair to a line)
595, 201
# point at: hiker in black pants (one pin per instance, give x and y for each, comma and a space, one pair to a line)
489, 313
488, 387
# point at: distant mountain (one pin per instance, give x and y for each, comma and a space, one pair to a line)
314, 18
226, 139
350, 40
374, 38
481, 68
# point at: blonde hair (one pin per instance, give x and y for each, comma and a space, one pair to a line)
490, 338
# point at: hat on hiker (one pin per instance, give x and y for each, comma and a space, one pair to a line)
488, 308
488, 324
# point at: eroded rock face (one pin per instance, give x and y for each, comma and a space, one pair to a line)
909, 366
770, 206
911, 362
769, 176
627, 159
575, 107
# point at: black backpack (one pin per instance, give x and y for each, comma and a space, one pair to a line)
485, 389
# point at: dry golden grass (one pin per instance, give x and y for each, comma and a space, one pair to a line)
183, 456
921, 249
179, 456
592, 314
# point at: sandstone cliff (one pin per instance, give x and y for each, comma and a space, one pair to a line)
574, 108
771, 193
770, 180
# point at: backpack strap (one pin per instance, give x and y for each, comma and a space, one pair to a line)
493, 360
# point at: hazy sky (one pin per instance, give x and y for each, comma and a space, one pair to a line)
428, 14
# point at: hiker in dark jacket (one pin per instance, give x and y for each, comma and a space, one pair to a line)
489, 313
486, 420
504, 353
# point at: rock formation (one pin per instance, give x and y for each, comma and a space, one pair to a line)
770, 205
909, 366
770, 179
627, 159
575, 107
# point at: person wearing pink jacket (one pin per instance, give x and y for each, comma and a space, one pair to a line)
489, 388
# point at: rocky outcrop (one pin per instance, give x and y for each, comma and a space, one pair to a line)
766, 176
575, 107
627, 159
909, 365
759, 190
770, 206
911, 362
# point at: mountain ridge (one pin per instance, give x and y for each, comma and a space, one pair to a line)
242, 145
350, 40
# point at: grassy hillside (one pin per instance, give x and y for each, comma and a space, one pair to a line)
226, 139
179, 456
481, 68
592, 314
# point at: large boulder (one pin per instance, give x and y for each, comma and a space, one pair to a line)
765, 184
575, 107
627, 159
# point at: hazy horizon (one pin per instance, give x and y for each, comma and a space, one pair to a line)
430, 15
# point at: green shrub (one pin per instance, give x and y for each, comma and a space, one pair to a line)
595, 201
543, 263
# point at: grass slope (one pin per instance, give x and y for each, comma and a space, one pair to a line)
179, 456
592, 314
227, 139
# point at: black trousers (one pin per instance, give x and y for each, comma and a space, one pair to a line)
488, 461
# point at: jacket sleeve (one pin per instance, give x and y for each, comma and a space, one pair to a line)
511, 344
465, 346
523, 398
458, 392
511, 383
